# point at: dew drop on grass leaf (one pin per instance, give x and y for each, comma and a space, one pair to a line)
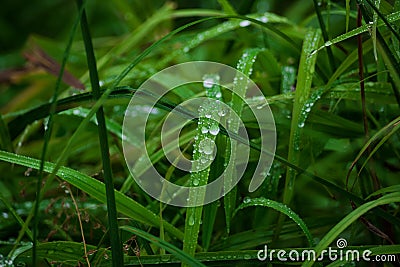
191, 220
244, 23
214, 129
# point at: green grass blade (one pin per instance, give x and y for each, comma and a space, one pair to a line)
227, 7
96, 189
116, 245
263, 202
347, 15
182, 255
375, 7
303, 91
365, 28
203, 150
244, 66
325, 35
349, 219
375, 28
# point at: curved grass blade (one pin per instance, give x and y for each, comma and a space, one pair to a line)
348, 220
390, 189
96, 189
182, 255
282, 208
239, 89
203, 149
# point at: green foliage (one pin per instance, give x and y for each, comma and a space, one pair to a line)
304, 59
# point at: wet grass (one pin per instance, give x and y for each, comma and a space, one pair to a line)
330, 74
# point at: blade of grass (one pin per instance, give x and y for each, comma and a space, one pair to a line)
202, 154
347, 15
364, 28
375, 27
227, 7
379, 14
116, 245
392, 63
303, 89
244, 66
263, 202
324, 35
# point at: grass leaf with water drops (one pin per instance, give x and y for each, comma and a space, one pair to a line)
240, 84
203, 151
263, 202
302, 94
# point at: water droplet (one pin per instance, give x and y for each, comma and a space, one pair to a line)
263, 19
196, 182
218, 95
246, 200
301, 124
204, 130
222, 112
208, 83
191, 220
207, 146
208, 116
214, 129
244, 23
